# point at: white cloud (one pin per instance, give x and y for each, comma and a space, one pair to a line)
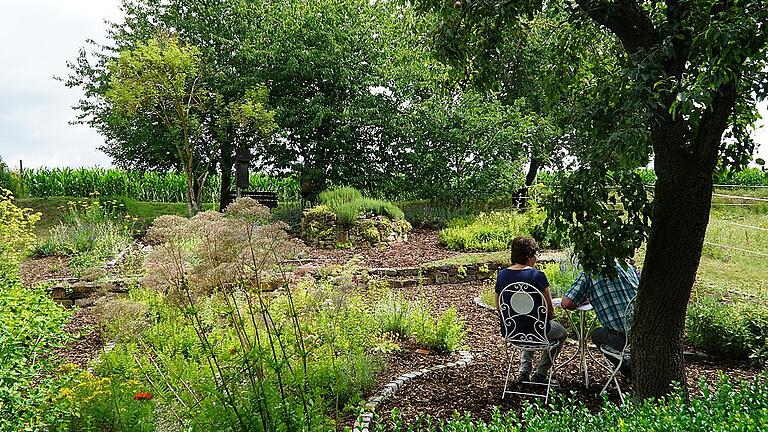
37, 38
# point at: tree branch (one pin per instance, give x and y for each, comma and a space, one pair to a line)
626, 19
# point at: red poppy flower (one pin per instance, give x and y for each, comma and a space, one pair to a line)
142, 396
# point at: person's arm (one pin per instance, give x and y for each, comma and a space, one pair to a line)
550, 308
577, 293
567, 303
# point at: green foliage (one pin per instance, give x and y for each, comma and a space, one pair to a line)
733, 406
730, 330
9, 180
444, 334
16, 235
465, 147
138, 185
488, 231
427, 214
394, 315
349, 204
560, 277
90, 231
31, 329
414, 319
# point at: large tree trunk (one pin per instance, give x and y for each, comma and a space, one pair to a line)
684, 169
681, 214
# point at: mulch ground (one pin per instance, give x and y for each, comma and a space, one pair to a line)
421, 247
86, 343
477, 388
37, 270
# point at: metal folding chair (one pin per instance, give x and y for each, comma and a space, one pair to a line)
623, 355
523, 311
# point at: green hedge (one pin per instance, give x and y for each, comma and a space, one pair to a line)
724, 409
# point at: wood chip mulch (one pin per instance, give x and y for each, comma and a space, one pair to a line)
477, 388
36, 270
86, 343
421, 247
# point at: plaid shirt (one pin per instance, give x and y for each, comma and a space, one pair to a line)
609, 297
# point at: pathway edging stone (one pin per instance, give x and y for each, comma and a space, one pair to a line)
363, 422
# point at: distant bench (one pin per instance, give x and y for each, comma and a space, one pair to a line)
268, 199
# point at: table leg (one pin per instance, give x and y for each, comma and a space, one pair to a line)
583, 347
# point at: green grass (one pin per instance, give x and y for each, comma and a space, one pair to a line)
52, 213
348, 204
489, 231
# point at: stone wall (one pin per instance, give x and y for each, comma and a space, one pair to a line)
79, 293
320, 227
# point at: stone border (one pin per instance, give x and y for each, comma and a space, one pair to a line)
363, 421
403, 277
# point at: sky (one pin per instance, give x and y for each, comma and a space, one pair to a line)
37, 38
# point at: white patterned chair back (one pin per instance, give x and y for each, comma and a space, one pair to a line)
523, 313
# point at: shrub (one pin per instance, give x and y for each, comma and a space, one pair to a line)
424, 214
736, 331
16, 235
724, 408
560, 277
488, 232
443, 333
9, 180
31, 328
394, 315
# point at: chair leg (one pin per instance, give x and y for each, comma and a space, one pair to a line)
506, 380
615, 380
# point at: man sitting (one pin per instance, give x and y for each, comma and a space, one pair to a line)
609, 299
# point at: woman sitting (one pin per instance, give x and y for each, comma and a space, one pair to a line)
523, 256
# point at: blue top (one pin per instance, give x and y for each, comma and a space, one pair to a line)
530, 275
609, 297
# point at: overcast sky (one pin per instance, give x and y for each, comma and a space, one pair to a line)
37, 37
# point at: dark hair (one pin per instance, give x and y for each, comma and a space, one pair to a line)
523, 249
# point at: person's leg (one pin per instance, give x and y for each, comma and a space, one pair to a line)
526, 358
615, 340
556, 331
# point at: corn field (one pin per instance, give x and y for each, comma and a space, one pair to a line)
141, 186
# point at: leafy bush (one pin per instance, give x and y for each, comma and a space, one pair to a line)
31, 328
348, 204
425, 214
9, 180
560, 277
489, 231
16, 235
394, 315
414, 319
742, 407
736, 331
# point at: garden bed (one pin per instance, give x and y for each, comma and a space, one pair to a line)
477, 388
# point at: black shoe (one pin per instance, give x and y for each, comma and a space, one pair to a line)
523, 377
541, 379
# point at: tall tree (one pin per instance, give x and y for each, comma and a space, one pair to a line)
690, 72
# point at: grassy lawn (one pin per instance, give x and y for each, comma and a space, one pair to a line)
725, 270
53, 208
